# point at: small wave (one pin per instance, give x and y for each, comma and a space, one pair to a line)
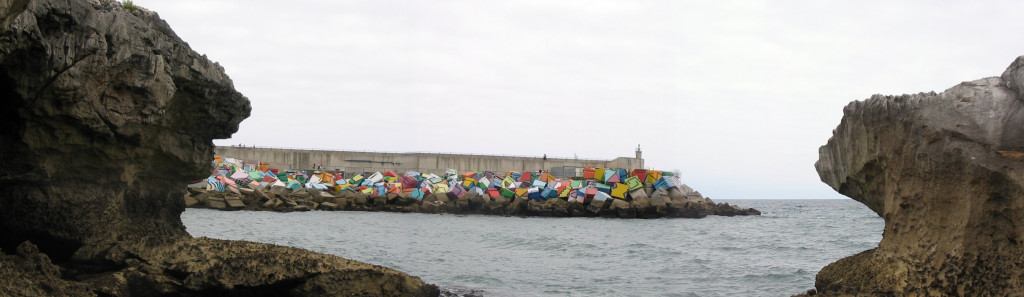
688, 294
455, 291
478, 280
775, 277
701, 261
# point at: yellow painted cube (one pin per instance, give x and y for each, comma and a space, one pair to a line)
619, 191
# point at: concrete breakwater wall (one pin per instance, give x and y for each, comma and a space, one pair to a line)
437, 163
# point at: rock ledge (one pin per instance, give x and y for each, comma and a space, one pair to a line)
944, 171
105, 113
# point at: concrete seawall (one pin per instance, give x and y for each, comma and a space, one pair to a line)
437, 163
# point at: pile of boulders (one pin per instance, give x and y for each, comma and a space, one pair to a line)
674, 202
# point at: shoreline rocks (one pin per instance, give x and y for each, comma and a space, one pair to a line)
943, 170
105, 113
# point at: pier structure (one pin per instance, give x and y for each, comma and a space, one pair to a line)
424, 162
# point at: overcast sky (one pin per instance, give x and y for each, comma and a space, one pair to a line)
737, 95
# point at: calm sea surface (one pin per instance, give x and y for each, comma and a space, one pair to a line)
775, 254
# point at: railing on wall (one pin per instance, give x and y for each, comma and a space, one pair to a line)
410, 153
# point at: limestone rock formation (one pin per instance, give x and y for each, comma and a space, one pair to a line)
945, 172
105, 114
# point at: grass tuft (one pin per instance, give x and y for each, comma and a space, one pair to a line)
129, 5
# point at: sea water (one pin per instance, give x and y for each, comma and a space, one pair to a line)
775, 254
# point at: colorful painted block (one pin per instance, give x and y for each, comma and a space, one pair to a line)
416, 193
409, 182
456, 192
526, 176
608, 174
375, 177
535, 196
660, 184
468, 182
548, 193
523, 184
508, 183
652, 176
440, 188
634, 183
665, 183
619, 191
588, 173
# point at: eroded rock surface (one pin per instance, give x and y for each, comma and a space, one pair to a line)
945, 171
104, 114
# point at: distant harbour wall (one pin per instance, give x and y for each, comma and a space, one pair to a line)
437, 163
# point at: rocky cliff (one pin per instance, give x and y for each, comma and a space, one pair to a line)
105, 115
946, 172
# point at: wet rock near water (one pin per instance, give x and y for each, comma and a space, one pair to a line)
943, 169
105, 112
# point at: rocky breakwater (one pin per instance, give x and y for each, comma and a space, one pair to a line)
486, 194
672, 203
945, 172
105, 113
